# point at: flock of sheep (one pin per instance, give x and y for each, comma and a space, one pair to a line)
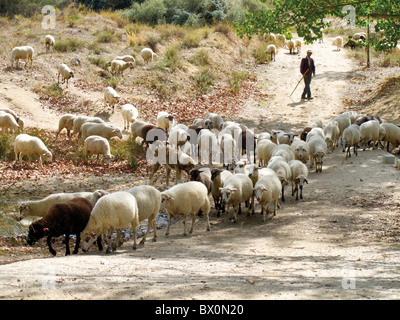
276, 159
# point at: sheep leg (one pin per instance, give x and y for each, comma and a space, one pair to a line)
301, 192
134, 247
67, 252
184, 226
154, 229
156, 166
235, 213
169, 223
78, 240
109, 242
296, 190
283, 193
276, 205
99, 244
52, 251
193, 220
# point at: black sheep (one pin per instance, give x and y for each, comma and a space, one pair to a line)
67, 218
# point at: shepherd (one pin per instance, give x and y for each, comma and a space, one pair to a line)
307, 69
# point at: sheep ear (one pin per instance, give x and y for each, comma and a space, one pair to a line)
92, 234
46, 231
264, 189
234, 189
220, 189
306, 181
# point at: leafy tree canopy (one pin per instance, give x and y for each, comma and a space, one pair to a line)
308, 18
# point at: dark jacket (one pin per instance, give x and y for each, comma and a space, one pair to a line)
304, 66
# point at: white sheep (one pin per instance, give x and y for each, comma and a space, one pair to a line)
111, 97
318, 150
119, 66
338, 42
113, 211
66, 121
208, 146
126, 58
297, 45
229, 149
263, 135
136, 128
129, 115
80, 120
39, 208
100, 129
65, 72
299, 177
264, 151
343, 121
271, 49
97, 145
213, 121
49, 41
165, 120
17, 119
282, 137
331, 131
301, 150
290, 46
147, 54
255, 173
177, 137
351, 138
31, 146
268, 189
193, 195
285, 151
369, 131
7, 122
282, 170
315, 131
24, 53
218, 178
392, 135
317, 124
236, 190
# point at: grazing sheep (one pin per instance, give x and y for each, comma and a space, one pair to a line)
318, 150
119, 66
79, 121
213, 121
126, 58
193, 195
98, 145
173, 159
24, 53
7, 121
129, 115
299, 177
338, 42
237, 189
49, 41
113, 211
66, 218
369, 131
165, 121
268, 189
66, 121
271, 49
151, 133
297, 45
392, 135
147, 54
351, 137
218, 178
264, 151
202, 175
111, 97
331, 131
100, 129
301, 150
136, 128
290, 46
39, 208
65, 72
17, 119
31, 146
360, 120
282, 170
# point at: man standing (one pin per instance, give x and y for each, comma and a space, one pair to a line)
307, 69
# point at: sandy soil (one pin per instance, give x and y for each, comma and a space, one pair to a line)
339, 242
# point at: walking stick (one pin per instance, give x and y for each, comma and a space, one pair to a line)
299, 82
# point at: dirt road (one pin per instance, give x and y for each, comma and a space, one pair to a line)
339, 242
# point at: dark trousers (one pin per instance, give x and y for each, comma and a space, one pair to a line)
307, 89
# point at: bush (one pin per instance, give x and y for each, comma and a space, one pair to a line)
204, 79
151, 12
106, 36
171, 57
236, 78
68, 45
6, 147
201, 58
259, 53
192, 40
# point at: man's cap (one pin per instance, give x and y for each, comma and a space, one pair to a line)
309, 51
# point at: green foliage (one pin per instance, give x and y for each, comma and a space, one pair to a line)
68, 45
201, 58
26, 8
106, 4
309, 20
151, 12
236, 79
171, 57
99, 61
6, 147
204, 79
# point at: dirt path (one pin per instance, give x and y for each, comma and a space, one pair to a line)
339, 242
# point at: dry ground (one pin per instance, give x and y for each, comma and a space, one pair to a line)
339, 242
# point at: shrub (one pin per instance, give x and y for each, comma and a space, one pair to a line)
68, 45
106, 36
98, 61
236, 78
259, 53
151, 12
171, 57
6, 147
204, 79
201, 58
191, 40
